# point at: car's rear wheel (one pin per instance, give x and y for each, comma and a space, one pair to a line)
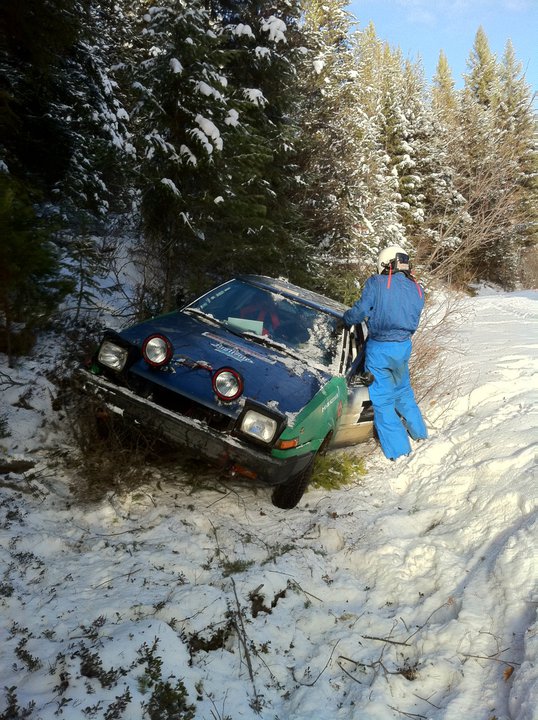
288, 494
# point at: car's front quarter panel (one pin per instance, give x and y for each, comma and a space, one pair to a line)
316, 420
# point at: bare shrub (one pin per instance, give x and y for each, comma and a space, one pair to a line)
528, 268
434, 363
483, 239
107, 455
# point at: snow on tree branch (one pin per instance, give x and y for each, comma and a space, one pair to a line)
276, 29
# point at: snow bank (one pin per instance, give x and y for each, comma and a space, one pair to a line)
410, 593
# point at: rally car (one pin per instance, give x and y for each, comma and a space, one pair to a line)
257, 375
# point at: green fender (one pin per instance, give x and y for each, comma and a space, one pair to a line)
316, 420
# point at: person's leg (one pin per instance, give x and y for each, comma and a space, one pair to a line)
389, 427
404, 397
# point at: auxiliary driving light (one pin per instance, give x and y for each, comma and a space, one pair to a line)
227, 384
157, 350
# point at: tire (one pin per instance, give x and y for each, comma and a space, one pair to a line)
287, 495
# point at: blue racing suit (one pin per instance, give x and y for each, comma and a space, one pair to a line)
391, 305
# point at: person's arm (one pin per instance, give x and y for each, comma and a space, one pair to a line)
363, 307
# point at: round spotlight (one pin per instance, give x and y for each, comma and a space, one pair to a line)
157, 350
227, 384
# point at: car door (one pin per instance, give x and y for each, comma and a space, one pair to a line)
356, 424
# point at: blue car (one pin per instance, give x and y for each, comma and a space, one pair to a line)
257, 375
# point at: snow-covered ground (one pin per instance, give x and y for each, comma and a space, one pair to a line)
411, 593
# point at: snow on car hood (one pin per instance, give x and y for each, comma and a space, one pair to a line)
271, 376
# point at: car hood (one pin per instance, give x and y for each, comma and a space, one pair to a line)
271, 377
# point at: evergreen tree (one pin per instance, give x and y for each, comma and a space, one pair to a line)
444, 98
478, 178
495, 168
95, 119
62, 125
96, 189
257, 222
410, 137
30, 282
380, 223
482, 79
215, 154
33, 141
517, 121
179, 111
61, 121
446, 206
329, 118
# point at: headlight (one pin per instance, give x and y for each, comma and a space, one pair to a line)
112, 355
157, 350
259, 426
227, 384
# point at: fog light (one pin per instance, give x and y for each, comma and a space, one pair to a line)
157, 350
227, 384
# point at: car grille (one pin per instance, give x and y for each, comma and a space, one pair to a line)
180, 404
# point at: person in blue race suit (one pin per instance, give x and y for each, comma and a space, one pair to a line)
391, 303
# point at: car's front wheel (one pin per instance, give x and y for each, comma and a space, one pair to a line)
288, 494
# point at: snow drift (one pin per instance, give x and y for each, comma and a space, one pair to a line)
410, 593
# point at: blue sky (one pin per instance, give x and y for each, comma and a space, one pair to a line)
424, 27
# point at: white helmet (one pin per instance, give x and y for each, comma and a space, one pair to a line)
394, 256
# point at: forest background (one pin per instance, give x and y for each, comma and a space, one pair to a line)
198, 139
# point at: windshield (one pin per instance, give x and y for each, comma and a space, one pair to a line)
250, 310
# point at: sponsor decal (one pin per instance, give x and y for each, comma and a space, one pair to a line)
214, 295
237, 352
329, 403
231, 352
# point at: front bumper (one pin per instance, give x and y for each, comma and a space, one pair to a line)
224, 450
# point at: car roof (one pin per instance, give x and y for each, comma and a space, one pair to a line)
308, 297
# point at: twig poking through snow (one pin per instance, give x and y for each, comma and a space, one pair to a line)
311, 684
241, 632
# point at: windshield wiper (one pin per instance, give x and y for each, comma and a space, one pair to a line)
203, 316
195, 312
275, 344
